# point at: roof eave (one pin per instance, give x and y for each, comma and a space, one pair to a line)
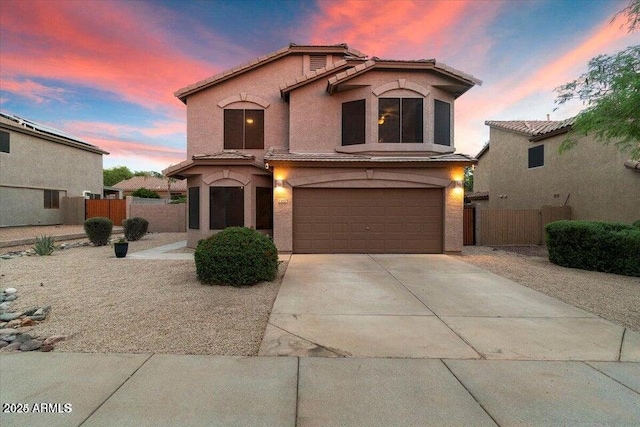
537, 138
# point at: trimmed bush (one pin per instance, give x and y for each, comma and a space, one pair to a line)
135, 228
593, 245
236, 256
98, 230
636, 224
145, 193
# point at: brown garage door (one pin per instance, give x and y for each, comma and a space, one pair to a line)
367, 220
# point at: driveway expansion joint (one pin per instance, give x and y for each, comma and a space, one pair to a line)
624, 333
610, 377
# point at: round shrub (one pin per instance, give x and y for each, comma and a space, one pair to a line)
98, 230
636, 224
135, 228
236, 256
145, 193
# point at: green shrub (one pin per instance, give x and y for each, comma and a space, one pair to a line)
636, 224
145, 194
44, 245
178, 199
593, 245
98, 230
135, 228
236, 256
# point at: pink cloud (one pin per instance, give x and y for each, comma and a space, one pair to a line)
32, 90
116, 47
405, 29
158, 129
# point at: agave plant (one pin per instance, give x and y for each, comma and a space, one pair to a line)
44, 245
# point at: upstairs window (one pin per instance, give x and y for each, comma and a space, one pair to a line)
536, 156
353, 119
4, 142
442, 123
51, 199
243, 129
400, 120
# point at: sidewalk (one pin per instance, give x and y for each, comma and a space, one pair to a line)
152, 390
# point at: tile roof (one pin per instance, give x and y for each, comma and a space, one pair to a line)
477, 195
264, 59
225, 155
313, 75
151, 183
283, 155
376, 62
532, 128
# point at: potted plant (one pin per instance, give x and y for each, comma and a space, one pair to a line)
121, 246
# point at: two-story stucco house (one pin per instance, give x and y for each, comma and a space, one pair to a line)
39, 166
329, 151
521, 168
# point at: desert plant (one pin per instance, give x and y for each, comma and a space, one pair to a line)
145, 194
236, 256
135, 228
98, 230
44, 245
593, 245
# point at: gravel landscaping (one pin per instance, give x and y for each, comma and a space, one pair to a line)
109, 305
611, 296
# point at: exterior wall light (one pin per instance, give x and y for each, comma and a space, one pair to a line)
458, 184
279, 183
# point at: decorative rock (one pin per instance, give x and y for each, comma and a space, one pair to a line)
3, 344
46, 309
14, 346
53, 339
3, 325
11, 298
10, 291
26, 322
14, 323
29, 311
9, 316
9, 338
46, 348
23, 338
31, 345
5, 306
38, 312
8, 331
38, 317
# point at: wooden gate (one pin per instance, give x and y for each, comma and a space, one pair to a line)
115, 210
469, 226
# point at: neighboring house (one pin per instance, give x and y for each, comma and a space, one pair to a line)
164, 187
521, 168
327, 151
39, 166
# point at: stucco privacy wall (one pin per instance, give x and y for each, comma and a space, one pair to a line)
205, 119
247, 177
590, 177
169, 218
27, 170
316, 117
326, 177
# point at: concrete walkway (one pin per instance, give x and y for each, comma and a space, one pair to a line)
159, 390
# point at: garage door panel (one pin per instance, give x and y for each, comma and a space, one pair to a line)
391, 220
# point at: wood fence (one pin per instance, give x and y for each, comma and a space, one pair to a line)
115, 210
502, 227
469, 226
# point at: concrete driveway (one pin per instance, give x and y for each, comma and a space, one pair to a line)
429, 306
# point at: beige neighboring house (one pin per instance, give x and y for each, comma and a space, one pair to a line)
520, 168
39, 167
329, 151
165, 188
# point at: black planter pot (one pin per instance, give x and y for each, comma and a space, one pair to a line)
121, 249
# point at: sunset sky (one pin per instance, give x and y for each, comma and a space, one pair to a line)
105, 71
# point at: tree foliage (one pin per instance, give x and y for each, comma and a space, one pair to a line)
468, 179
145, 193
611, 91
114, 175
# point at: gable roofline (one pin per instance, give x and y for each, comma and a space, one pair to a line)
292, 48
19, 124
316, 74
536, 130
483, 150
395, 64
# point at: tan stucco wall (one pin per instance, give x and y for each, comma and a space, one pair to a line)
36, 164
482, 172
591, 178
171, 218
316, 117
359, 178
225, 176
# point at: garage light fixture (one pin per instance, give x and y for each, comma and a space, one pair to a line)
457, 184
279, 183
